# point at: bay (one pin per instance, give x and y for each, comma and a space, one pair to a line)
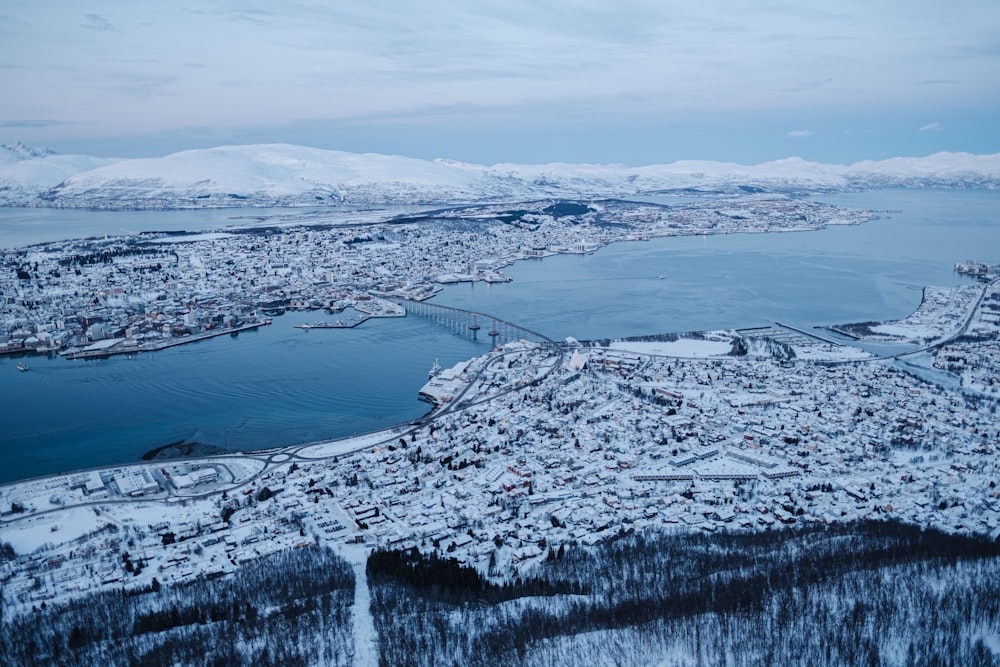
873, 271
274, 386
280, 385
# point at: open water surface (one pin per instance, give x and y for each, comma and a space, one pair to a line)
280, 385
274, 386
873, 271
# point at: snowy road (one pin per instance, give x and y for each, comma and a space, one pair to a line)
365, 648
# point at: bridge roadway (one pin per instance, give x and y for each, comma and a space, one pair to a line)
470, 320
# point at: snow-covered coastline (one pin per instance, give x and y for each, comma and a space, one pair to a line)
625, 425
541, 452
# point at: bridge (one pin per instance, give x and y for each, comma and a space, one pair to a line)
471, 324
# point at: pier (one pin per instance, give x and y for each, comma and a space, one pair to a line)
842, 332
345, 323
808, 333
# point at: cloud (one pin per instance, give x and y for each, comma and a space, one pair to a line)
123, 69
33, 123
97, 22
932, 127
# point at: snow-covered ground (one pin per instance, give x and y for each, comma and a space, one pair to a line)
943, 312
332, 448
365, 637
66, 526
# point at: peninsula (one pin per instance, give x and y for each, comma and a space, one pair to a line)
99, 296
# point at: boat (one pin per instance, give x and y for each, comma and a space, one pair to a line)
497, 277
972, 268
435, 369
22, 367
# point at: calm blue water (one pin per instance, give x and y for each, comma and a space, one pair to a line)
874, 271
280, 385
276, 386
26, 226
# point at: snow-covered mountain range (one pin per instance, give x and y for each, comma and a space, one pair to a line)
287, 175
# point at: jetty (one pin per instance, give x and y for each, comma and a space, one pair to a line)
345, 323
808, 333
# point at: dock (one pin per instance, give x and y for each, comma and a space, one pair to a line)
346, 323
808, 333
841, 332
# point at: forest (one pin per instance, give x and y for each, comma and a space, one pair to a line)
290, 608
865, 594
873, 593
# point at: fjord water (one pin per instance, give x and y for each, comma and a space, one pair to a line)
20, 227
280, 385
873, 271
260, 389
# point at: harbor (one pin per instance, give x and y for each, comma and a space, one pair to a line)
116, 346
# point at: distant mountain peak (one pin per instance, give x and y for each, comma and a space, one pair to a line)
290, 175
24, 152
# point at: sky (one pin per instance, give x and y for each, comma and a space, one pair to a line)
633, 82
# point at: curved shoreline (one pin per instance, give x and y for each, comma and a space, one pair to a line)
150, 456
161, 441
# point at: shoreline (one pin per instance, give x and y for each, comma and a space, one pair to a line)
187, 450
150, 456
198, 337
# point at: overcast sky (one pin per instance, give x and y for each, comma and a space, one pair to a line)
630, 81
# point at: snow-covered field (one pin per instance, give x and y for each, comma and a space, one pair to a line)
684, 347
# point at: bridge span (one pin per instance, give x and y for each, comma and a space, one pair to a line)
471, 324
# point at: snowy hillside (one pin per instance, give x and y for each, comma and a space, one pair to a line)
272, 175
286, 175
25, 172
